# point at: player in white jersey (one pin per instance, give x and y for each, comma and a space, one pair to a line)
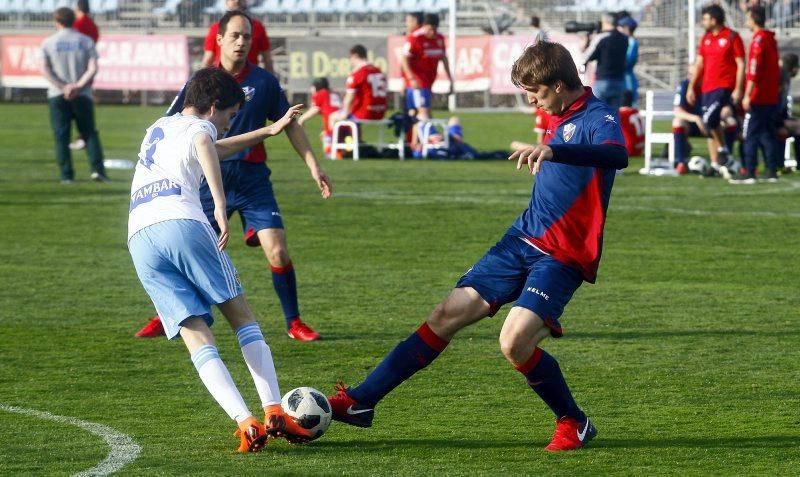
181, 261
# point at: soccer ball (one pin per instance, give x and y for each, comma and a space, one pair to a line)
309, 408
699, 165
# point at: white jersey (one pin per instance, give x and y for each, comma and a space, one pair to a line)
166, 183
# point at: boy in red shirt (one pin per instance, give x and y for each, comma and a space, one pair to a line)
324, 102
720, 72
366, 88
423, 51
632, 124
760, 100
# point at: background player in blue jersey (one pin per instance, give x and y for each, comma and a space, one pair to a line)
246, 175
553, 246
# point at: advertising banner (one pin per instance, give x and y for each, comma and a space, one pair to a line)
140, 62
311, 58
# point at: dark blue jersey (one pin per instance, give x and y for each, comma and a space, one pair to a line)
264, 99
567, 211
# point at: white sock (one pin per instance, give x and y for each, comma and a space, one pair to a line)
258, 357
219, 383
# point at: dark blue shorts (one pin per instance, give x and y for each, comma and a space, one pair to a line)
712, 104
760, 120
248, 191
514, 270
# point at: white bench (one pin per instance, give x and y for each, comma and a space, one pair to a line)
353, 126
657, 167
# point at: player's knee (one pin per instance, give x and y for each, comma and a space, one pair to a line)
278, 256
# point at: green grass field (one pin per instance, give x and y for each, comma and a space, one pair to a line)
685, 353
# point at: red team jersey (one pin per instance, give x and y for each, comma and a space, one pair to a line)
260, 41
542, 119
368, 84
328, 102
632, 124
763, 68
424, 55
86, 25
719, 54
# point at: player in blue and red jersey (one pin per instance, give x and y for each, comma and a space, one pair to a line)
720, 73
760, 101
552, 247
246, 175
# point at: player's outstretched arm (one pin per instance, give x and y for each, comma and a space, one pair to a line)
209, 162
297, 136
233, 144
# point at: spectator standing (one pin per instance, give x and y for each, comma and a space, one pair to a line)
537, 34
608, 49
719, 70
260, 49
627, 26
760, 102
69, 63
84, 24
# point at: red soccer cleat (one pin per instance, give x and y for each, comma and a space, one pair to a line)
682, 168
153, 329
345, 409
302, 332
571, 434
252, 435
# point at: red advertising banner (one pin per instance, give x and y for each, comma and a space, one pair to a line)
21, 62
471, 69
506, 50
142, 62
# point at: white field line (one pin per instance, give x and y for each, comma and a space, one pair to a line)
505, 198
123, 448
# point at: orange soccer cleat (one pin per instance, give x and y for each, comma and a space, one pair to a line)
279, 424
252, 435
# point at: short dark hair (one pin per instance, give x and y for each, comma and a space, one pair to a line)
223, 22
716, 12
534, 21
758, 14
64, 16
320, 84
83, 5
545, 63
213, 87
360, 51
417, 16
431, 19
790, 61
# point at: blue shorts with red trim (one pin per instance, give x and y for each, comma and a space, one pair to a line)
248, 191
514, 270
712, 103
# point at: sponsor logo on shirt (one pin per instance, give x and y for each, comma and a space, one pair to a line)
160, 188
569, 131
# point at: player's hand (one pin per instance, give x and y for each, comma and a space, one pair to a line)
221, 216
736, 96
70, 91
287, 118
701, 125
746, 103
532, 156
323, 182
690, 96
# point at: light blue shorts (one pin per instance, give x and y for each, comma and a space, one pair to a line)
181, 269
418, 98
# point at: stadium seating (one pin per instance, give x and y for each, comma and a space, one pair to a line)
170, 8
217, 9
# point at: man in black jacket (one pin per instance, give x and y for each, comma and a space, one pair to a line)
608, 49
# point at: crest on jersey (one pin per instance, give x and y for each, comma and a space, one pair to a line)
569, 131
249, 92
722, 42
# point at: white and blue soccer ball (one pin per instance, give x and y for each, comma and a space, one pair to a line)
699, 165
309, 408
